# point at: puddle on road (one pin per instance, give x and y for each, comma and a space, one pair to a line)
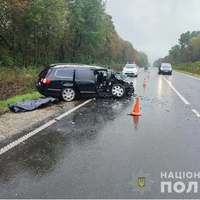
41, 154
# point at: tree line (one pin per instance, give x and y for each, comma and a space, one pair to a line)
187, 50
39, 32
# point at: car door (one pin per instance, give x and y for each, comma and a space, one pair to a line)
84, 79
62, 78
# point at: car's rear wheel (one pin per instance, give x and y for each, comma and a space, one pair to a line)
68, 94
118, 90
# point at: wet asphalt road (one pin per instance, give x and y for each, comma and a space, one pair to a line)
95, 151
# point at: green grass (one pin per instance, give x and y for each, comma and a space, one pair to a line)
193, 68
4, 106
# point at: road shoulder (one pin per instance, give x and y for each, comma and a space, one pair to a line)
15, 124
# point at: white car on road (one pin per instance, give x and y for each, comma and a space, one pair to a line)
130, 70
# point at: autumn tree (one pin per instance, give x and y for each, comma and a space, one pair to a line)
188, 49
194, 47
39, 32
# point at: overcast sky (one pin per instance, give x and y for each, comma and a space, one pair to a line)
154, 26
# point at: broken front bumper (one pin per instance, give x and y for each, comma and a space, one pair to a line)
130, 89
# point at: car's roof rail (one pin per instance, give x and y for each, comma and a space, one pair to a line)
74, 65
65, 64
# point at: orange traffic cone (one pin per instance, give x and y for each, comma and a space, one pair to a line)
144, 83
136, 110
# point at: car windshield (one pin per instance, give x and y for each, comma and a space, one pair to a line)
166, 66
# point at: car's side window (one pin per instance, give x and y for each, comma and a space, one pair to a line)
65, 73
84, 75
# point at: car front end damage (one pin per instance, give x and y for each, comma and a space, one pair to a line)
129, 88
120, 80
116, 86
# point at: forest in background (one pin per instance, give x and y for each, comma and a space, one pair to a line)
35, 33
39, 32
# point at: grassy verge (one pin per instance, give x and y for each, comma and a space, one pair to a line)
3, 104
193, 68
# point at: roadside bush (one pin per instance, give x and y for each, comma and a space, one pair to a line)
17, 81
189, 67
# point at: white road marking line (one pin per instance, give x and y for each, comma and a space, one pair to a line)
72, 110
189, 76
181, 96
37, 130
195, 112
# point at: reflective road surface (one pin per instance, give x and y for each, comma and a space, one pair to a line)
100, 151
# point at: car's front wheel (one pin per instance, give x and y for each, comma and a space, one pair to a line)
68, 94
118, 90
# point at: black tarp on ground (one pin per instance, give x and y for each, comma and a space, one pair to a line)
32, 104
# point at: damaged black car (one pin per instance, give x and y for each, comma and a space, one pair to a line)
70, 81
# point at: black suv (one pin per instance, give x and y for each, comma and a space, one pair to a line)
68, 81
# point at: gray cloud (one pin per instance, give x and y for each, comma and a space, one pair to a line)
154, 26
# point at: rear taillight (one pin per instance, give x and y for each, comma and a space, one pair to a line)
45, 80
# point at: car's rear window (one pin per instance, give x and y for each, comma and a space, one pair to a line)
44, 72
64, 73
166, 66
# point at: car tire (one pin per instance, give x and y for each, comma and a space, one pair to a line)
170, 73
136, 75
159, 73
68, 94
118, 90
